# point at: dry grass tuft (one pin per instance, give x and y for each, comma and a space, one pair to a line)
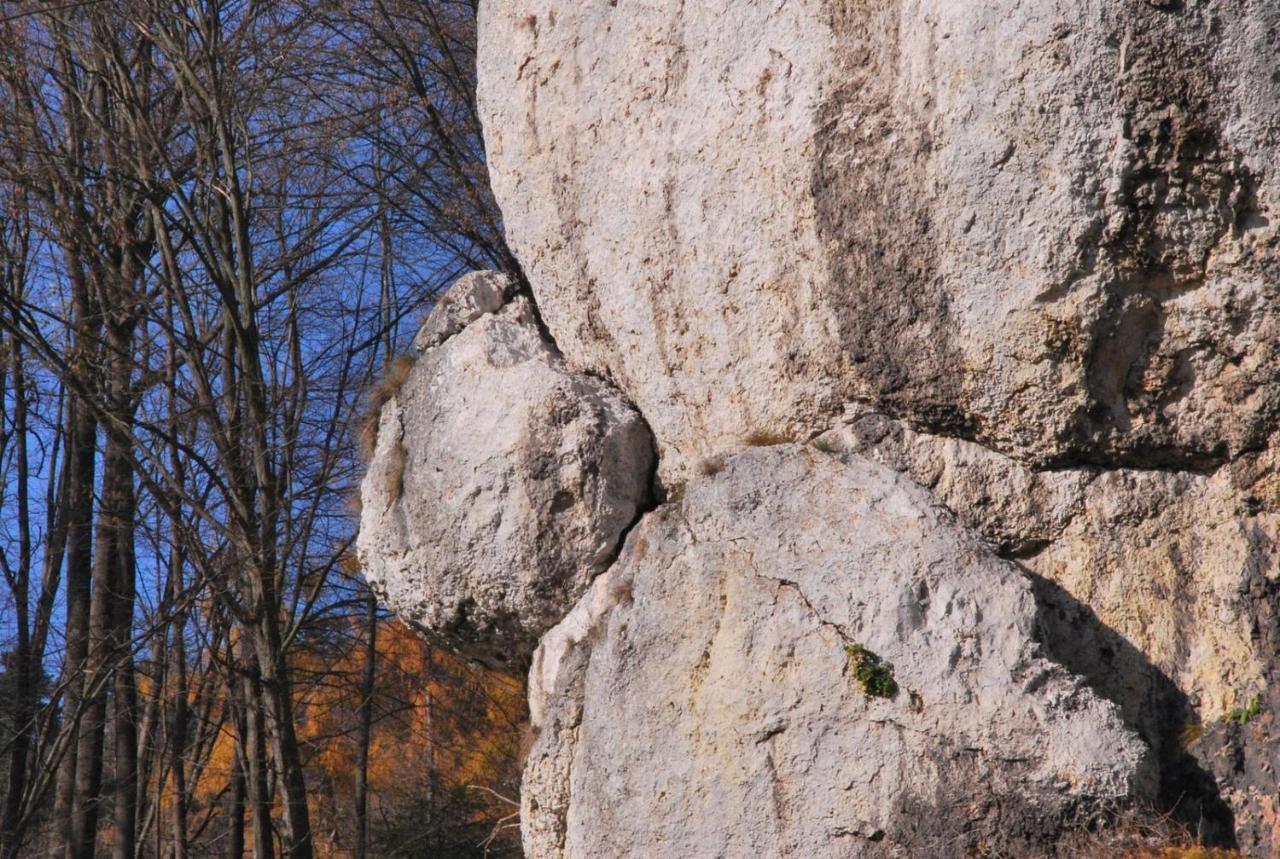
383, 391
395, 472
1140, 835
1184, 853
766, 438
1189, 734
711, 465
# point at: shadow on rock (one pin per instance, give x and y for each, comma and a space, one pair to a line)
1149, 702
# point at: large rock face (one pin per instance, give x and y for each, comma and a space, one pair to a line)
1205, 557
1011, 274
1047, 226
500, 484
702, 700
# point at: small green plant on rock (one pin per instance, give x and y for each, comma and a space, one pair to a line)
1245, 715
873, 674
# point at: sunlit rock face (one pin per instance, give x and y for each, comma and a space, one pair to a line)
1046, 226
704, 698
945, 332
500, 484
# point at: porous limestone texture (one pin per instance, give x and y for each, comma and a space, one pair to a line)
1011, 273
1160, 587
467, 299
701, 699
1049, 226
1170, 562
500, 485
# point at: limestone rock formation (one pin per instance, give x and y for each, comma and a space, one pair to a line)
500, 485
1050, 227
1205, 556
1160, 587
957, 329
470, 297
703, 699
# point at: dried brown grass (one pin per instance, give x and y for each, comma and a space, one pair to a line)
766, 438
395, 472
383, 391
711, 465
1141, 835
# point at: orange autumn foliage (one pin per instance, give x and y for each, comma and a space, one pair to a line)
439, 725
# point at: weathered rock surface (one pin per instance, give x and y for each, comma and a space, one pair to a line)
1047, 226
500, 485
700, 700
470, 297
1206, 554
1014, 269
1160, 588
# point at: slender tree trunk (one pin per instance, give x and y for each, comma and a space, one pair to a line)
25, 664
81, 460
120, 511
256, 752
84, 819
125, 693
237, 793
366, 726
178, 742
235, 809
276, 697
178, 625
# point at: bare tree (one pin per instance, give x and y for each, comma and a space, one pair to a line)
217, 218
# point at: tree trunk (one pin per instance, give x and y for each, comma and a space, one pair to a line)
235, 809
278, 707
366, 726
81, 461
259, 786
120, 509
26, 666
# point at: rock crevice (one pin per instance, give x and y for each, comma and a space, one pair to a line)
870, 560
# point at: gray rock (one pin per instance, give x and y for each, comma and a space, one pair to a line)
470, 297
1147, 576
1050, 227
1014, 269
701, 699
500, 485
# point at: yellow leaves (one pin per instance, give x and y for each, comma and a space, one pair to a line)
439, 723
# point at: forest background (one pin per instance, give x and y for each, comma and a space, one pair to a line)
219, 222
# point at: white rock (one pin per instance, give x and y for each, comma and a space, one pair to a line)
500, 486
470, 297
700, 700
1047, 226
1153, 583
1023, 254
